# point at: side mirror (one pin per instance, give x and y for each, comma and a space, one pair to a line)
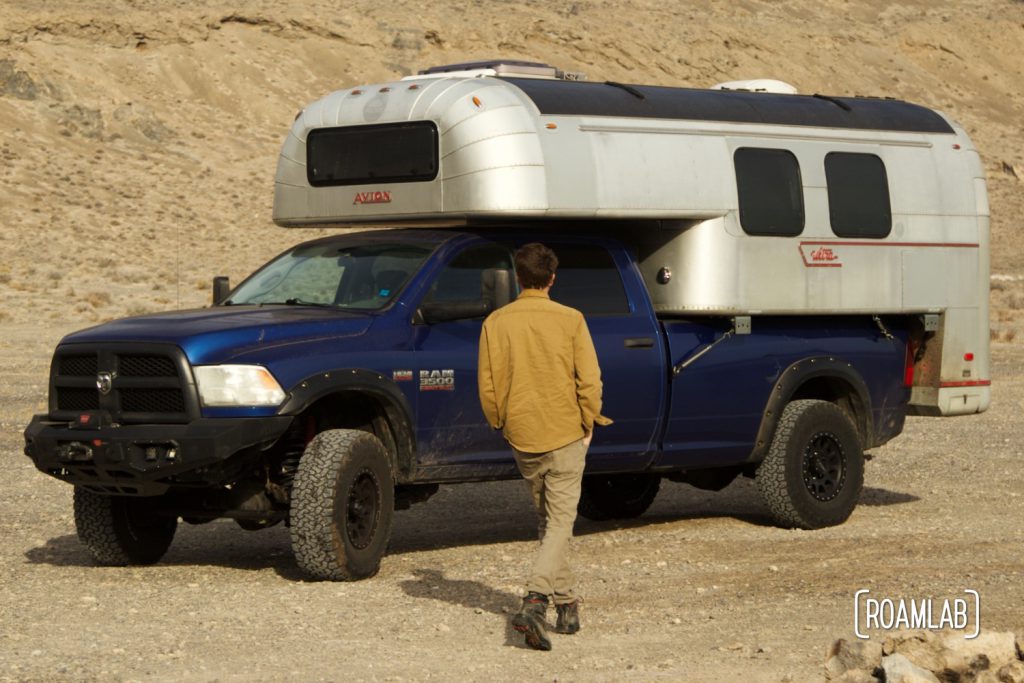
443, 311
221, 288
496, 286
495, 291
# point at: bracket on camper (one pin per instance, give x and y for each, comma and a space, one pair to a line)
882, 328
740, 325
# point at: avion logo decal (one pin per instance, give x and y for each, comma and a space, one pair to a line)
818, 255
372, 198
823, 254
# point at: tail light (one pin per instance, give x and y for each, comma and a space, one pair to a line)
908, 366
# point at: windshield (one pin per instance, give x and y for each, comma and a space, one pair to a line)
362, 277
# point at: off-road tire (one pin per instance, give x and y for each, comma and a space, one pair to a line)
617, 496
122, 530
814, 470
343, 503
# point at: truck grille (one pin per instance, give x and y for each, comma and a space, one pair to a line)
152, 401
75, 398
146, 366
147, 383
78, 366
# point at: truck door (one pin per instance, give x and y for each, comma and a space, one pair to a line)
629, 350
451, 428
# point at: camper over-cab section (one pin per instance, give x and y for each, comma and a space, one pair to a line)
745, 202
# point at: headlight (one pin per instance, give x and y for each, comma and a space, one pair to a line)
237, 385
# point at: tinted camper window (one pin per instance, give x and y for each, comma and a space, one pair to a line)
770, 192
858, 195
358, 155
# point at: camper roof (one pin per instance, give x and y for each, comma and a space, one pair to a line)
565, 98
496, 67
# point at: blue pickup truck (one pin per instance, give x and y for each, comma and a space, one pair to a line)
773, 282
339, 382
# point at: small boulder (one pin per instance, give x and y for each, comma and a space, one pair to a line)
951, 652
1011, 673
899, 669
856, 676
845, 656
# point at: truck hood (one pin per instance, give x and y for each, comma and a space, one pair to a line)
217, 335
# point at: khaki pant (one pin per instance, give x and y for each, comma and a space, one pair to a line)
554, 479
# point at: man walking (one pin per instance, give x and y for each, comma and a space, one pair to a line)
540, 384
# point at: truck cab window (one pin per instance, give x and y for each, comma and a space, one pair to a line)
328, 274
770, 192
858, 195
588, 280
461, 279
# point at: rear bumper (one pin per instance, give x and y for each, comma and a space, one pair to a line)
146, 460
951, 398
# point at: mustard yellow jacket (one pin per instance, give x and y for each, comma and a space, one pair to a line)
538, 378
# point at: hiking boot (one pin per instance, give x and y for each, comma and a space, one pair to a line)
530, 621
568, 617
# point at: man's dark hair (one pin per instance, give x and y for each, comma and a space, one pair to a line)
535, 264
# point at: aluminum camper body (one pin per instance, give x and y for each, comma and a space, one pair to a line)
513, 149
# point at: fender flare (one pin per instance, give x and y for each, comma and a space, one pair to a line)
794, 377
397, 411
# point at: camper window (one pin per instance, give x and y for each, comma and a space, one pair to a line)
858, 195
358, 155
770, 193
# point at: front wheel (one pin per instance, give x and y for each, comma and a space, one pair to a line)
814, 470
122, 530
617, 496
343, 502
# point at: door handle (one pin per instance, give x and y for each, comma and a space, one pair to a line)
639, 343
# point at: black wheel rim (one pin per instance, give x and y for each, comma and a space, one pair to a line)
362, 510
824, 466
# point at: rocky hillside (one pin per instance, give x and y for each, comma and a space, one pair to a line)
138, 139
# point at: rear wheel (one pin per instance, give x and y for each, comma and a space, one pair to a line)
814, 470
617, 496
343, 502
122, 530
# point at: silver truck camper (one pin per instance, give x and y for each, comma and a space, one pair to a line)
742, 202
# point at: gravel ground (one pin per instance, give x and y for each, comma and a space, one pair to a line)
699, 588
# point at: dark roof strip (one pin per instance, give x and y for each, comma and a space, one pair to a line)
575, 98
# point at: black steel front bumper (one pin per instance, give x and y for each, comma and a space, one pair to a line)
146, 460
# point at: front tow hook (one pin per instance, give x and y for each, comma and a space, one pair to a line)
75, 451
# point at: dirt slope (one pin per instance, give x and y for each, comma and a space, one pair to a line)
138, 139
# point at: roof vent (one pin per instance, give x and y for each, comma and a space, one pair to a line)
758, 85
498, 67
